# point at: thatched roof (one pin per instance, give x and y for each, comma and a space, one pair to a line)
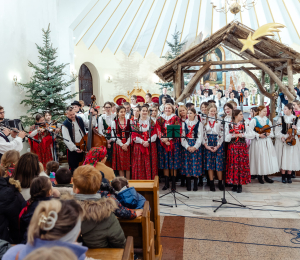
267, 48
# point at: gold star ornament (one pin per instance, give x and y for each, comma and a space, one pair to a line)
265, 30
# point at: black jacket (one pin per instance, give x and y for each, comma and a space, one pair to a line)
26, 217
11, 201
161, 96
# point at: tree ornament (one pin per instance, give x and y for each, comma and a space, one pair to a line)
43, 92
40, 111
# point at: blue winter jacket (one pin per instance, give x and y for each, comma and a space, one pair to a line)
131, 199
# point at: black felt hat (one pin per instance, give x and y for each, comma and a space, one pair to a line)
76, 103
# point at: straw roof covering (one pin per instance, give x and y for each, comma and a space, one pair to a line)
267, 48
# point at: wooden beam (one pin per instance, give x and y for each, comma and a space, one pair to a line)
224, 62
275, 78
273, 101
217, 70
193, 82
281, 67
258, 84
262, 96
177, 83
290, 79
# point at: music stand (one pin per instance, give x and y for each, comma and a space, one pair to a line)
173, 131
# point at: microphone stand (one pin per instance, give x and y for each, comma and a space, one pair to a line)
223, 200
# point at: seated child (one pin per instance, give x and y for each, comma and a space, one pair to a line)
9, 160
51, 168
99, 228
128, 197
63, 180
42, 172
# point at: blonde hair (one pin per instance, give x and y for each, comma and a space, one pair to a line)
41, 167
68, 212
10, 157
169, 104
87, 179
211, 105
181, 107
51, 253
295, 101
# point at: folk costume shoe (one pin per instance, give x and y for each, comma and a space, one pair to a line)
220, 185
182, 178
289, 178
239, 189
283, 178
188, 183
260, 179
234, 188
167, 185
195, 184
212, 185
267, 179
200, 183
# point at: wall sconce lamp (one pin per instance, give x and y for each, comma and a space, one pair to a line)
15, 79
108, 78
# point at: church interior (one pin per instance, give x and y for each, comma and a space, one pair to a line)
174, 122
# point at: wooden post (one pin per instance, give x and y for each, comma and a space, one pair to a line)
290, 78
262, 97
174, 83
178, 82
273, 100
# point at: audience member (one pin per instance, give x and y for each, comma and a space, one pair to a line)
40, 190
97, 157
163, 95
51, 169
127, 196
26, 170
11, 202
42, 171
63, 180
52, 253
9, 160
54, 223
99, 220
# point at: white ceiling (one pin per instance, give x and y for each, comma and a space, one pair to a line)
144, 26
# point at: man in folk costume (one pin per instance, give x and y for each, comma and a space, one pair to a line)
254, 97
77, 109
73, 130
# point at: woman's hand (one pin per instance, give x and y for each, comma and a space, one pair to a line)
164, 140
262, 136
108, 145
193, 149
294, 127
283, 139
168, 143
124, 147
146, 144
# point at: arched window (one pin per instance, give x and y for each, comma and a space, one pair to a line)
86, 84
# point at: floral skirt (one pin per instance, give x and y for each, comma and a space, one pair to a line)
169, 160
110, 152
214, 161
237, 165
192, 162
121, 159
141, 164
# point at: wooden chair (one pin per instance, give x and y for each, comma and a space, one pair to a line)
140, 229
150, 190
113, 253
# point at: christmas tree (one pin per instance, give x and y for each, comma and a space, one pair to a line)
46, 89
175, 50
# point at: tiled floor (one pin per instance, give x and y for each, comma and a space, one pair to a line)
233, 232
275, 200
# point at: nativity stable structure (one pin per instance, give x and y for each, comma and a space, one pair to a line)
270, 56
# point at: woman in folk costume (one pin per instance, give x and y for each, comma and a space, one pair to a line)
144, 157
154, 112
287, 155
213, 142
97, 157
121, 135
182, 113
104, 128
237, 163
45, 147
168, 148
253, 113
192, 129
262, 154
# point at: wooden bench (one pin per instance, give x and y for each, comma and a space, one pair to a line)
113, 253
140, 229
150, 190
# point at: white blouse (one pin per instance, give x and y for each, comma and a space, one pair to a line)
217, 129
263, 122
245, 134
144, 127
108, 119
287, 120
116, 139
190, 124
